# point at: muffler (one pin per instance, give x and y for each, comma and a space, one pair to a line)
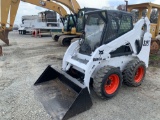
61, 95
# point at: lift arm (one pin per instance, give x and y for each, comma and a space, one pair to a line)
10, 7
71, 4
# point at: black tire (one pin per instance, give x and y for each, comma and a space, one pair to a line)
101, 81
134, 73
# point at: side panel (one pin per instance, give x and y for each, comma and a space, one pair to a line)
145, 51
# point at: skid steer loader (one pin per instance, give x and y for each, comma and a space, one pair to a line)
111, 51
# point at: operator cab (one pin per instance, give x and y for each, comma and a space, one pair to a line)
69, 22
102, 27
49, 17
80, 18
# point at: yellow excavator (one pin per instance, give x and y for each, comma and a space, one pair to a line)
11, 6
9, 9
69, 22
155, 27
74, 29
72, 26
73, 23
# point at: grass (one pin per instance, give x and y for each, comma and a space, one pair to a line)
155, 57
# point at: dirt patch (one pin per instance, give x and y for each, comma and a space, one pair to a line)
25, 60
155, 60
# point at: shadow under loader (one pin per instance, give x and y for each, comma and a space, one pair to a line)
61, 95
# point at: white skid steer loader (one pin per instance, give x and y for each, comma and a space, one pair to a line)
111, 51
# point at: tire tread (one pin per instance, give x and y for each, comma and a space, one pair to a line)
128, 73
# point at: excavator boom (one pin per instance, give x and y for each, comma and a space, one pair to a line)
71, 4
11, 6
7, 6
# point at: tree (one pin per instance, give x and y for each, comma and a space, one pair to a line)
153, 17
121, 7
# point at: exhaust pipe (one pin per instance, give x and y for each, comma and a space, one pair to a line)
61, 95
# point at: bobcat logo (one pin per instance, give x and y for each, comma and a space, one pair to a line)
146, 42
100, 58
101, 52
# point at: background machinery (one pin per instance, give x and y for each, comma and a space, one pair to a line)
76, 29
70, 22
111, 50
41, 24
155, 27
73, 23
11, 6
27, 24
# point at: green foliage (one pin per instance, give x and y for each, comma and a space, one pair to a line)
155, 57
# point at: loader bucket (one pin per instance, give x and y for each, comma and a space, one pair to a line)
4, 36
61, 95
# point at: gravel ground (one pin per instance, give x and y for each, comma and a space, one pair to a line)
27, 57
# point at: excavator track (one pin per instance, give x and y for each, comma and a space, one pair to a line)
65, 40
55, 37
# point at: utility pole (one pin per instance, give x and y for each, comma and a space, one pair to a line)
126, 3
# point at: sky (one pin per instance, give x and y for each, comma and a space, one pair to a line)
29, 9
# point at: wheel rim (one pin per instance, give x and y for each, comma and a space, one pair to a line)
139, 74
112, 83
